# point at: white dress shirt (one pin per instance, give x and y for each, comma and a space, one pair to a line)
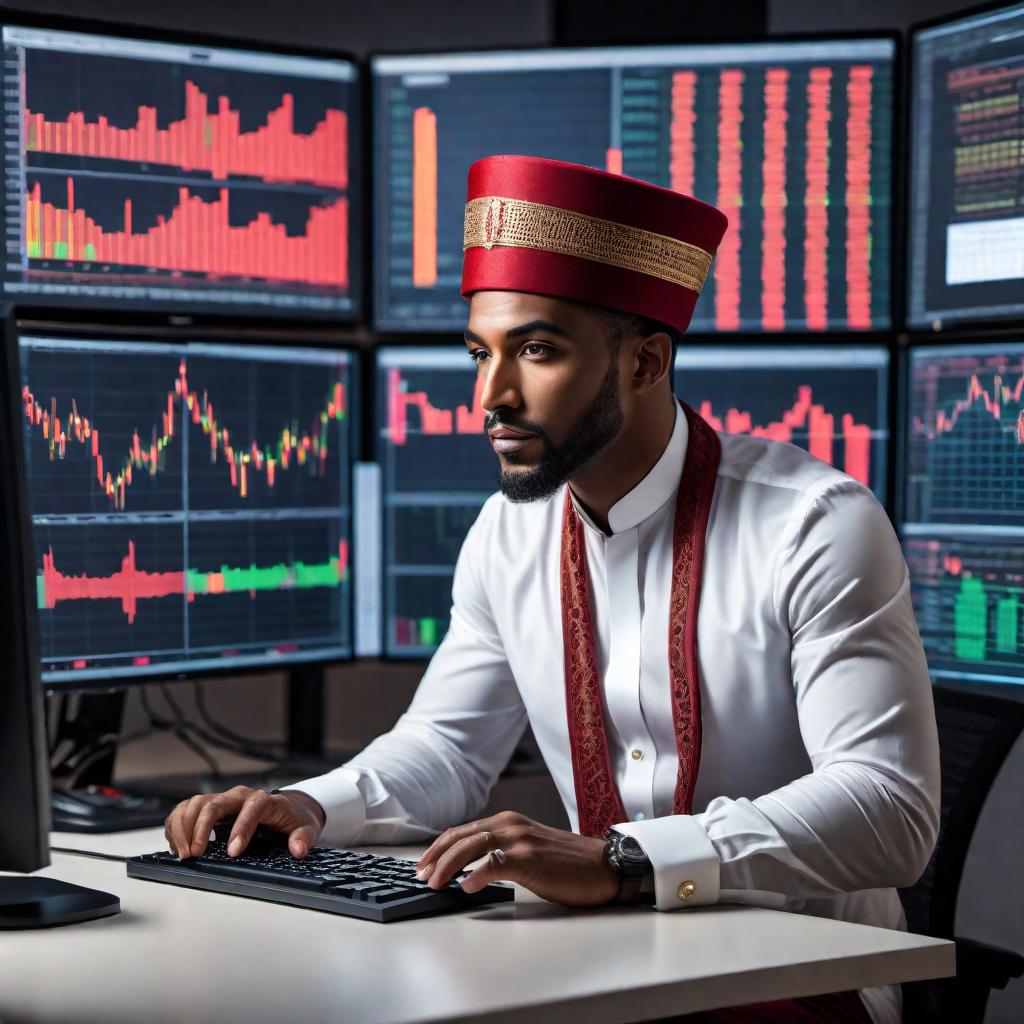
818, 788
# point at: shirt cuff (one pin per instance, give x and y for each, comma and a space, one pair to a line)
686, 866
343, 804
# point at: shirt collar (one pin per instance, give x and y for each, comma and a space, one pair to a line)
653, 491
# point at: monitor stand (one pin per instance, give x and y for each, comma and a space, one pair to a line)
83, 797
46, 902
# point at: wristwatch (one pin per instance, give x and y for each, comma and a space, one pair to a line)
630, 863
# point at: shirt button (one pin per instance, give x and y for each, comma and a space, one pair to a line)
639, 816
687, 890
637, 754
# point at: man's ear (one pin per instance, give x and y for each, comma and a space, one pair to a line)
653, 361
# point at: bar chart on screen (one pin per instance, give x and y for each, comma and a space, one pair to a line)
790, 140
832, 402
166, 174
190, 502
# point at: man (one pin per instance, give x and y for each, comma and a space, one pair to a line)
779, 749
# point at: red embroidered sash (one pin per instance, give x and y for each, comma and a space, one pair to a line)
597, 797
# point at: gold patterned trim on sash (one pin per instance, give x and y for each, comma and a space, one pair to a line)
495, 220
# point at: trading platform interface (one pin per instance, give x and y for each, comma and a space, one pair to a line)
791, 140
438, 469
967, 175
190, 504
963, 523
177, 177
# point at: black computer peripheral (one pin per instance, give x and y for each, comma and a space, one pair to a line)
347, 882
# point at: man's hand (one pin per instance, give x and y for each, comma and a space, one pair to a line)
559, 866
189, 825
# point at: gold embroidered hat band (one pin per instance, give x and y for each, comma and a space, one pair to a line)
569, 231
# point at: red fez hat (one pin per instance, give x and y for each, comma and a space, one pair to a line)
572, 232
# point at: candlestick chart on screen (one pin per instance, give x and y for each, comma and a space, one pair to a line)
966, 442
190, 503
215, 178
791, 141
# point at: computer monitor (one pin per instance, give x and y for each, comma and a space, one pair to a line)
792, 140
24, 795
437, 469
190, 505
963, 512
174, 176
832, 402
966, 199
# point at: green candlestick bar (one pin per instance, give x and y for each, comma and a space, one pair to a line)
272, 577
427, 629
1006, 624
970, 620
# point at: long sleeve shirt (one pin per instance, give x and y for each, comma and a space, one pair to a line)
818, 784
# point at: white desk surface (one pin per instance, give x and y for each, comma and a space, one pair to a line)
181, 955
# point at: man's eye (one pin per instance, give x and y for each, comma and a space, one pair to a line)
533, 344
474, 352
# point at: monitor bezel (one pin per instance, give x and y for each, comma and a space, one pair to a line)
391, 332
24, 837
157, 313
179, 334
956, 324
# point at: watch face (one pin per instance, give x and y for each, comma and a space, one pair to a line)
631, 851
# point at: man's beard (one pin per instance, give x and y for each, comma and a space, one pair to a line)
558, 463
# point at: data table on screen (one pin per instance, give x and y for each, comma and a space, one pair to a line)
791, 140
832, 402
966, 252
173, 176
963, 510
190, 504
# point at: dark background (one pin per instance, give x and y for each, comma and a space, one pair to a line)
366, 698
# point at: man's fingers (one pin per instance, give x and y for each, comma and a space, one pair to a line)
213, 809
449, 837
490, 871
174, 830
459, 855
245, 824
301, 840
191, 813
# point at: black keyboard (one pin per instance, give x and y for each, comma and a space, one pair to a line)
338, 881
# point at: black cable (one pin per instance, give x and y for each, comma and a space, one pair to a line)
179, 729
243, 744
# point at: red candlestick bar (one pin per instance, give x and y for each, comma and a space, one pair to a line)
858, 197
819, 92
804, 416
197, 238
204, 141
680, 147
773, 170
466, 420
129, 585
730, 200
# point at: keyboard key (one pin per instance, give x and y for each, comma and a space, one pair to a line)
388, 895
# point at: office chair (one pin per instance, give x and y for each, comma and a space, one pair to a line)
977, 729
